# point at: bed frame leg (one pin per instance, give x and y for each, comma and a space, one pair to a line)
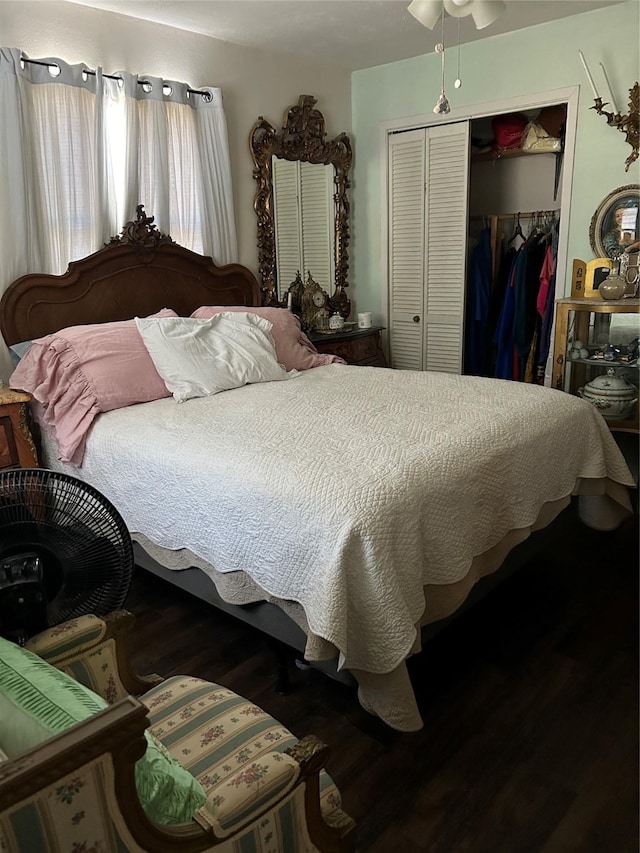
282, 654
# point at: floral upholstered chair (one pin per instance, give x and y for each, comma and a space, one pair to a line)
213, 771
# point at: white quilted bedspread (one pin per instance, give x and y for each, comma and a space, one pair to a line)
347, 489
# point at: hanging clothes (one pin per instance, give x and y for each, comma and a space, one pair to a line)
548, 266
547, 317
476, 353
506, 328
527, 286
498, 291
504, 336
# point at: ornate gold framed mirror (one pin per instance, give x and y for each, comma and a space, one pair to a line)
302, 204
614, 228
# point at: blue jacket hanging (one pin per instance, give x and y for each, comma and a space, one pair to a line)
477, 307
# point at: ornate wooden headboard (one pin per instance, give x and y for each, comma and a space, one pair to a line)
136, 274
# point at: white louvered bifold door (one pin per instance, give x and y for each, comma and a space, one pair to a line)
286, 213
318, 222
428, 195
447, 167
406, 248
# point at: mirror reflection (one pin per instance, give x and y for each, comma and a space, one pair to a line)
303, 222
301, 203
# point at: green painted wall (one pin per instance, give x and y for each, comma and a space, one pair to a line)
538, 59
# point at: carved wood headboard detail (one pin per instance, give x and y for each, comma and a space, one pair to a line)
136, 274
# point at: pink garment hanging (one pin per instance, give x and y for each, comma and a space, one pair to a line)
546, 272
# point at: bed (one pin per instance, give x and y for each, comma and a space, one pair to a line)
342, 511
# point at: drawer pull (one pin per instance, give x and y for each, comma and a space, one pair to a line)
416, 319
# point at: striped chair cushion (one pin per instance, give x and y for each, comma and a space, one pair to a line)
214, 733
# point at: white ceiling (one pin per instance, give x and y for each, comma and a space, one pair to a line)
350, 33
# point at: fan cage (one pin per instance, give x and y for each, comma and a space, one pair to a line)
80, 536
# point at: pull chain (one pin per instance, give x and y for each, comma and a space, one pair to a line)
458, 82
442, 104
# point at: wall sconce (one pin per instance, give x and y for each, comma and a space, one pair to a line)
628, 124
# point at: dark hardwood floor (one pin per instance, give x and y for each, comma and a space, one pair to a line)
529, 701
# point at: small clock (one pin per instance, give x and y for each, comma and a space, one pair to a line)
315, 305
319, 298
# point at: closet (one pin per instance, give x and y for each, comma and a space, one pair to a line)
447, 184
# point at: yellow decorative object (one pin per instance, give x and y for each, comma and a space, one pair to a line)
596, 271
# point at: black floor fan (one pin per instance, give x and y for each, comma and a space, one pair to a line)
64, 551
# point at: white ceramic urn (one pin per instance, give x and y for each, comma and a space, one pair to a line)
614, 396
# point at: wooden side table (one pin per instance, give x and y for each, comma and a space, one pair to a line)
360, 346
17, 448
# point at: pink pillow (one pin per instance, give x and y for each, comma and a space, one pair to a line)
293, 348
81, 371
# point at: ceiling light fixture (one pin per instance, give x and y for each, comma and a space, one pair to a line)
483, 12
429, 12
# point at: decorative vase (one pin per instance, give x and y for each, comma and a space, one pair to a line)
613, 287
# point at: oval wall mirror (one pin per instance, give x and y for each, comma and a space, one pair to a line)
301, 203
614, 226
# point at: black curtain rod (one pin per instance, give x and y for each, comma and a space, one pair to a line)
109, 76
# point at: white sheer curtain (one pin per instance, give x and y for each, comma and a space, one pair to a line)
184, 170
80, 149
51, 158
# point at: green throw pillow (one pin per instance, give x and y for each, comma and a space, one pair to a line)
38, 701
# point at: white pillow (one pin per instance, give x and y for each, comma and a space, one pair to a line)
197, 358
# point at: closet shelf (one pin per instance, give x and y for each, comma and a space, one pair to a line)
600, 362
507, 154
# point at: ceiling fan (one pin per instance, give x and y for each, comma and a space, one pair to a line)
483, 12
429, 12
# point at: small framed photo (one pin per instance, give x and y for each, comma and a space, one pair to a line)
615, 226
595, 273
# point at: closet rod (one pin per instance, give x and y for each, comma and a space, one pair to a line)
523, 215
528, 215
206, 95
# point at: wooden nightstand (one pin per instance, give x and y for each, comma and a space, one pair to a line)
360, 346
17, 448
